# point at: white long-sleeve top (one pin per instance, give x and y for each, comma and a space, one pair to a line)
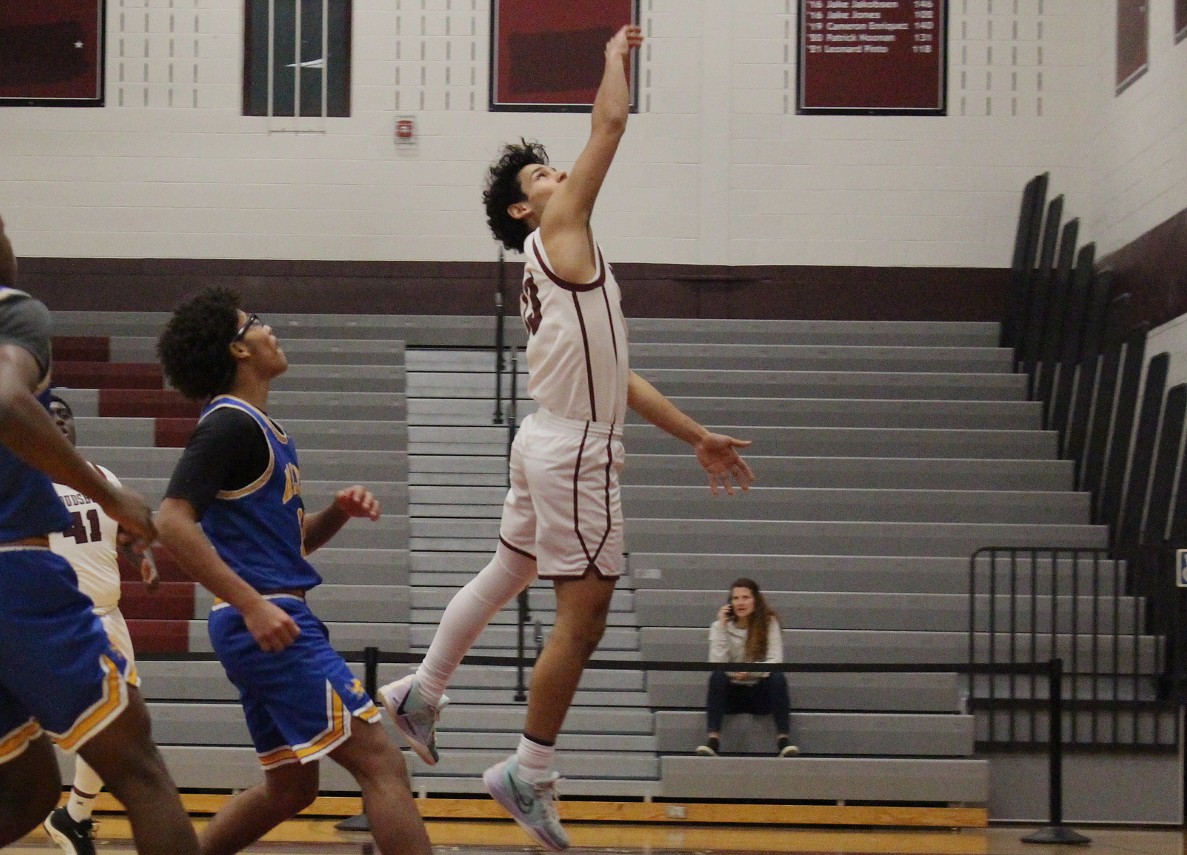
727, 643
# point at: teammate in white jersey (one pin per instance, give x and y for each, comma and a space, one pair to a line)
92, 547
562, 519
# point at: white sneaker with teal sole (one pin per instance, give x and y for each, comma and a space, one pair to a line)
533, 806
414, 718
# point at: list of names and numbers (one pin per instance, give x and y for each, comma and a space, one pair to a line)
871, 54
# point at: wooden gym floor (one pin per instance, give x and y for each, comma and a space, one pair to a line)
319, 837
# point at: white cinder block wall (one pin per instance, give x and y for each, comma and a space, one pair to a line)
716, 167
1138, 162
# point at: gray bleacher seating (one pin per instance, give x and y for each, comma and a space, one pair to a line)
886, 453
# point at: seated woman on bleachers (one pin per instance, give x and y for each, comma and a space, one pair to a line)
747, 631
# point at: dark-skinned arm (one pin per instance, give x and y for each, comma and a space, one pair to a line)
352, 502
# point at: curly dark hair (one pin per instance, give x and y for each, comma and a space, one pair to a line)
194, 347
503, 190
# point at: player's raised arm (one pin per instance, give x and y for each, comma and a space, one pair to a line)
573, 202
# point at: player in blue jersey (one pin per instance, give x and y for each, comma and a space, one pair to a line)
234, 519
59, 675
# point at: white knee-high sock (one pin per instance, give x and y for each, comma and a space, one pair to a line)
86, 788
468, 613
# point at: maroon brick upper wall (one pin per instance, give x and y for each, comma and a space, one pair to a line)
1153, 269
468, 288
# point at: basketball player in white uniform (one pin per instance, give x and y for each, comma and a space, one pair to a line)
92, 547
562, 519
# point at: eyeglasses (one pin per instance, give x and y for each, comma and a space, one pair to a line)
251, 321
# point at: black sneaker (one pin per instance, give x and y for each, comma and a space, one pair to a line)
784, 748
710, 748
74, 838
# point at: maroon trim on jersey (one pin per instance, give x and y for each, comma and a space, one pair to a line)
610, 322
516, 549
589, 378
592, 559
564, 283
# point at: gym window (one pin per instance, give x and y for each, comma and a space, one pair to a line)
296, 58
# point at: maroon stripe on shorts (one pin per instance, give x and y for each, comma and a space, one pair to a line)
593, 557
516, 549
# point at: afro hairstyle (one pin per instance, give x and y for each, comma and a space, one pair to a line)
194, 347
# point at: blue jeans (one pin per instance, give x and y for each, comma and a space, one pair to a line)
766, 697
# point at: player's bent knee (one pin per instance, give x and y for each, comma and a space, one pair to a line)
29, 789
371, 755
295, 793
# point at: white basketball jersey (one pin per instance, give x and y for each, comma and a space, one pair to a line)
577, 341
90, 546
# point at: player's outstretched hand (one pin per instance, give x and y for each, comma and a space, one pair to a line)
630, 36
138, 553
129, 510
148, 571
271, 627
357, 501
718, 453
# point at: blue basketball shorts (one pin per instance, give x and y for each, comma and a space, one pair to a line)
58, 670
299, 703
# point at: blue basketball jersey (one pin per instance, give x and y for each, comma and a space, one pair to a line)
29, 506
257, 529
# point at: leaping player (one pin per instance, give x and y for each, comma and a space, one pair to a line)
562, 519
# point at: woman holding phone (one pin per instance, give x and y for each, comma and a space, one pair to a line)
747, 631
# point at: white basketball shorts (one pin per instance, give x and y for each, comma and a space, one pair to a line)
564, 507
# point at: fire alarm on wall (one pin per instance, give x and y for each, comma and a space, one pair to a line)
405, 130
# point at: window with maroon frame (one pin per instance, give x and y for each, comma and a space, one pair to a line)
51, 53
549, 56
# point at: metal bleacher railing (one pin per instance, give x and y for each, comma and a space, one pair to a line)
1115, 614
1054, 831
506, 360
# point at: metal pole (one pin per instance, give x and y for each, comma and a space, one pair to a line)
1055, 831
525, 615
499, 339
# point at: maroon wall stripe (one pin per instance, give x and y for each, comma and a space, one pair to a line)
468, 288
1154, 270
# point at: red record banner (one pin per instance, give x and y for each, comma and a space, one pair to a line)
547, 55
873, 56
51, 53
1133, 41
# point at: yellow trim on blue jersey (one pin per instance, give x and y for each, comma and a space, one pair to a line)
13, 744
115, 698
276, 430
277, 757
281, 436
336, 733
